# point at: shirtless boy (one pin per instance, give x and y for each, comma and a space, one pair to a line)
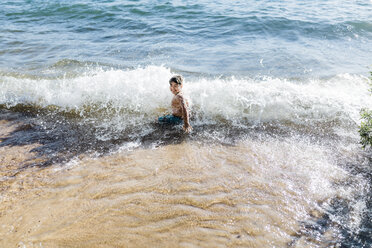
180, 110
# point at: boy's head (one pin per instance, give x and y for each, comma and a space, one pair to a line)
175, 84
176, 79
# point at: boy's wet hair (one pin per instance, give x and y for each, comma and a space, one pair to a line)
176, 79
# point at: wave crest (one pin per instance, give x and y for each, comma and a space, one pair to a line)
140, 95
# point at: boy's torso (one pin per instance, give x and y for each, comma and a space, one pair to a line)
177, 105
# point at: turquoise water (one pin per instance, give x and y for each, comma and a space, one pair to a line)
275, 38
92, 76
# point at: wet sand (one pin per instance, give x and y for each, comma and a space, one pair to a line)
183, 195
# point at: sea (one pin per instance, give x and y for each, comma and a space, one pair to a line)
274, 158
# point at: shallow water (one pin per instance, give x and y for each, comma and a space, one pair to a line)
263, 191
186, 195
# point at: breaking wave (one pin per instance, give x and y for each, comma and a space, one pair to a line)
122, 98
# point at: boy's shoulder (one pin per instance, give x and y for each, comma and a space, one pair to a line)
180, 96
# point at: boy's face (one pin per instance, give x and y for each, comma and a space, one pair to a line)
175, 88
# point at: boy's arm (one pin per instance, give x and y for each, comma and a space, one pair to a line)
185, 112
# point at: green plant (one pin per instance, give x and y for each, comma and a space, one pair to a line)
365, 129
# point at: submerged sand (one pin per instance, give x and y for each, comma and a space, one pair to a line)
184, 195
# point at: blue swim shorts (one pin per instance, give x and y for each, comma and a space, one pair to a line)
170, 119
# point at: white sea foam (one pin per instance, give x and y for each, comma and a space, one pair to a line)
142, 94
281, 99
137, 90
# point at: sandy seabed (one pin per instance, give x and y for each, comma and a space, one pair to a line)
184, 195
